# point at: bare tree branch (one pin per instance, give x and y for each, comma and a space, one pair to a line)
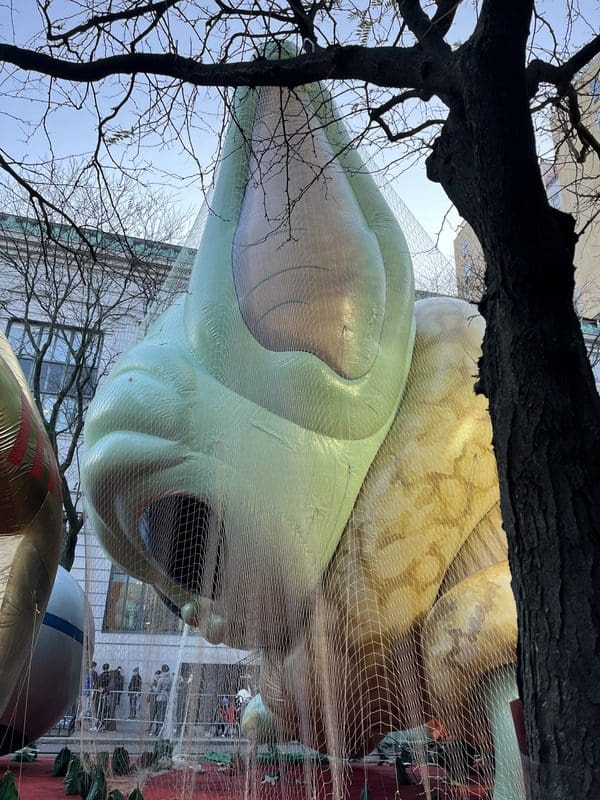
57, 293
99, 20
561, 75
444, 15
396, 100
41, 205
588, 140
305, 21
383, 66
250, 13
396, 137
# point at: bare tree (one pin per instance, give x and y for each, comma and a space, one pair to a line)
469, 104
68, 311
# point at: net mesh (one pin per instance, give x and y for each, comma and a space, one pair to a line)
294, 458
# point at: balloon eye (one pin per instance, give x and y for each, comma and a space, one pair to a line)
186, 539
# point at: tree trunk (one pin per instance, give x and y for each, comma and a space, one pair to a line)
546, 421
545, 415
69, 543
72, 525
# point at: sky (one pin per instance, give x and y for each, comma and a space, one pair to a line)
71, 131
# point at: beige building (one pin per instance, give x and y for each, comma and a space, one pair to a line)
81, 326
572, 184
470, 265
577, 171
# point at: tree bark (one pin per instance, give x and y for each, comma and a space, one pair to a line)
545, 414
72, 524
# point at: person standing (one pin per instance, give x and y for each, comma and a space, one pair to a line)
183, 685
111, 719
91, 687
220, 728
230, 718
103, 691
134, 690
163, 690
119, 685
152, 700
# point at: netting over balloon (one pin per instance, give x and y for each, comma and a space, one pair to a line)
295, 458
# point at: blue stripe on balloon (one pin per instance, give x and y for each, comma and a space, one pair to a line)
63, 626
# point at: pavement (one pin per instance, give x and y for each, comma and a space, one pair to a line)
134, 734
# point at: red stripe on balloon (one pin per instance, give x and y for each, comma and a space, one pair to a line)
40, 452
19, 448
51, 472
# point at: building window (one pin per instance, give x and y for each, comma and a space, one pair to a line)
594, 356
70, 358
69, 350
553, 192
592, 343
134, 606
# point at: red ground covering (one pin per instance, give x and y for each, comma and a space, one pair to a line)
35, 782
217, 785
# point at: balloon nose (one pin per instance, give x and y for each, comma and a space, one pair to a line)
185, 537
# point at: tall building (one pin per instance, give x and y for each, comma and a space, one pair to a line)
469, 263
577, 175
68, 317
572, 182
470, 268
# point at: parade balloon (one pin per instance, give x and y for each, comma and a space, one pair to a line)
296, 457
50, 679
30, 521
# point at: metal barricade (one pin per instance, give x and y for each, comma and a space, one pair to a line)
187, 714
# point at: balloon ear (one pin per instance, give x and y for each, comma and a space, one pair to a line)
307, 270
302, 277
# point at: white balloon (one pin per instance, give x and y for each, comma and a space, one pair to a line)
50, 684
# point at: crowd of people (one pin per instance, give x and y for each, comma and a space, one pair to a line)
160, 689
104, 691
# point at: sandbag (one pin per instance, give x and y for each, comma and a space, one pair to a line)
61, 763
146, 760
162, 748
8, 788
72, 780
402, 776
120, 761
103, 760
97, 789
135, 794
115, 794
85, 779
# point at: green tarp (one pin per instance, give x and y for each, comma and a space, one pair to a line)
61, 763
8, 789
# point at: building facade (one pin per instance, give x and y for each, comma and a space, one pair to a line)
572, 181
68, 317
577, 174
